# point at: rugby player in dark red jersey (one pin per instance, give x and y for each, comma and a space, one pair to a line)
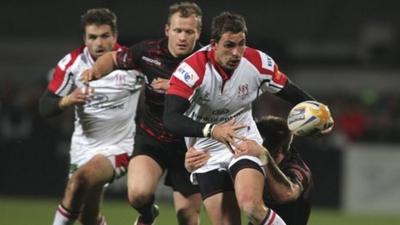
156, 149
288, 180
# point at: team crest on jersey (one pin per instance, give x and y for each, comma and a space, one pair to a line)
186, 74
243, 90
120, 79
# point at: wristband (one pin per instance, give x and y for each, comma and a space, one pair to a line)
207, 130
64, 102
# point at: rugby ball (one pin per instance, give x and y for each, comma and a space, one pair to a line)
309, 118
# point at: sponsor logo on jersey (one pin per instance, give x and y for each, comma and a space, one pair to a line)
97, 101
267, 62
151, 61
220, 111
186, 74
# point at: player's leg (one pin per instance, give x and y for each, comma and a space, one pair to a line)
187, 198
90, 213
219, 198
222, 209
187, 208
91, 208
96, 171
249, 185
144, 174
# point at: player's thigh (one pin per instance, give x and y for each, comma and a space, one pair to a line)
98, 170
187, 204
248, 181
222, 209
144, 174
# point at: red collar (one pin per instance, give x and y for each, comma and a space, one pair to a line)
224, 74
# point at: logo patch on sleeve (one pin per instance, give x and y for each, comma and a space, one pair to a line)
64, 61
267, 62
186, 74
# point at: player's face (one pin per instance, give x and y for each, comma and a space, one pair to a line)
229, 50
182, 34
99, 39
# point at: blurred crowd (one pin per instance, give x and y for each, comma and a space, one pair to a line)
367, 117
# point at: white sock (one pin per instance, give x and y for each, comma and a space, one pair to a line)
102, 220
63, 217
273, 219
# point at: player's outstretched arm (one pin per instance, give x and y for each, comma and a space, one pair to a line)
103, 66
293, 94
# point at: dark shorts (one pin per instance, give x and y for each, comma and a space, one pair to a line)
217, 181
171, 158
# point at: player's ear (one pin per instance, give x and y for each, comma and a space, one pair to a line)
166, 29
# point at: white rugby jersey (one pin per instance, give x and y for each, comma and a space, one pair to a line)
217, 97
105, 124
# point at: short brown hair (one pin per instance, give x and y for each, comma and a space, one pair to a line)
99, 16
186, 9
275, 133
227, 22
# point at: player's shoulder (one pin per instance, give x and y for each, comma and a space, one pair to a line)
198, 59
149, 44
69, 59
261, 60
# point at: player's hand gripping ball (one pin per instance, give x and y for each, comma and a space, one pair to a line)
309, 118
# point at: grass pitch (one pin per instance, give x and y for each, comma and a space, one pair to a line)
40, 211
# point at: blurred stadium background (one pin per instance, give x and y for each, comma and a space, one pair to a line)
345, 53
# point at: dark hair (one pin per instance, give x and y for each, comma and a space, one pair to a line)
227, 22
186, 9
275, 133
99, 16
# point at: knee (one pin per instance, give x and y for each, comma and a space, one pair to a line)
79, 181
251, 207
139, 197
188, 216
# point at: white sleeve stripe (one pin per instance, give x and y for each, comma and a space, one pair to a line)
66, 85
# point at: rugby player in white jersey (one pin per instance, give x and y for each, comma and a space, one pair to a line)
103, 136
209, 101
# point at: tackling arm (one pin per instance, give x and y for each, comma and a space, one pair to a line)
282, 189
104, 65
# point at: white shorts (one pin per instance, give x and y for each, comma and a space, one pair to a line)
119, 160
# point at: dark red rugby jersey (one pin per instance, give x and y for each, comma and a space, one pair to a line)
153, 58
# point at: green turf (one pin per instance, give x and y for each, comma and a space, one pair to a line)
31, 211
